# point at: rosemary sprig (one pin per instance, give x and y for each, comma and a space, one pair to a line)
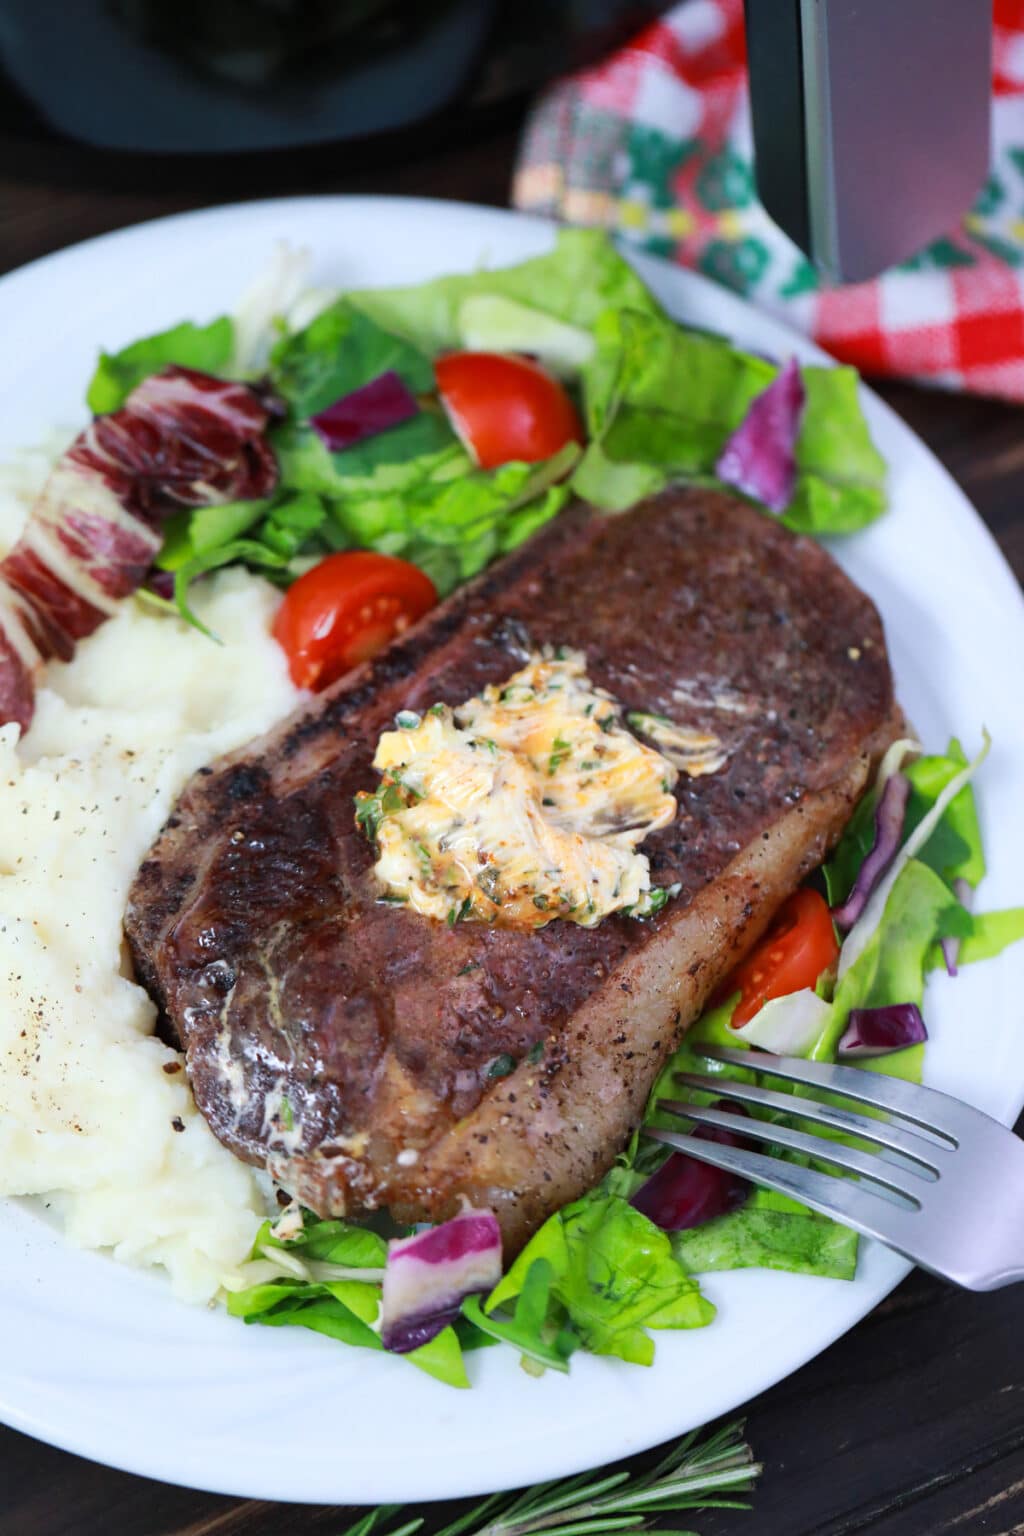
699, 1473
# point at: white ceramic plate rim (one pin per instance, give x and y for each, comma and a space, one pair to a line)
99, 1359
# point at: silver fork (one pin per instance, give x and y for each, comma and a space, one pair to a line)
946, 1188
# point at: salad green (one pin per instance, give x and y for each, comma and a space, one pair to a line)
662, 400
659, 401
207, 347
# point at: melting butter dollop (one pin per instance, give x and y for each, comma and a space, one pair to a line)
526, 803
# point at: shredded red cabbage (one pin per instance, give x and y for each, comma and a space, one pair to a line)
950, 946
759, 458
428, 1276
384, 402
685, 1193
877, 1031
889, 815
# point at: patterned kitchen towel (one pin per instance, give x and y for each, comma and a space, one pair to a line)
656, 145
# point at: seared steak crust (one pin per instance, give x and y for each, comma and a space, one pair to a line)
361, 1051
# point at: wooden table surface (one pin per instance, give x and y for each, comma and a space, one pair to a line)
912, 1425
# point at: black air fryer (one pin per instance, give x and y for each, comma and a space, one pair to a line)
166, 88
870, 116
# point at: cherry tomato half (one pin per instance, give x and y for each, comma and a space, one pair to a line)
799, 945
345, 610
505, 408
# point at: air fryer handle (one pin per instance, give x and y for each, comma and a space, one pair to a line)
871, 122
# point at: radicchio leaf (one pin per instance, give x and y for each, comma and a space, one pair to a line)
181, 439
759, 458
428, 1276
384, 402
879, 1031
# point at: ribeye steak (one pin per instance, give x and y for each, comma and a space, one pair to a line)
351, 1046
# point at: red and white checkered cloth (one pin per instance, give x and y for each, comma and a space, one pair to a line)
656, 145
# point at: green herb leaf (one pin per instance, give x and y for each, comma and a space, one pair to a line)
560, 750
704, 1470
501, 1066
371, 809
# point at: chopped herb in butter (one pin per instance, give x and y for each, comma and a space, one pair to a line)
525, 804
695, 752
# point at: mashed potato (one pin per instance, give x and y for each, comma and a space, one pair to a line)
95, 1112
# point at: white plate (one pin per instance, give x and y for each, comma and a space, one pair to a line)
100, 1359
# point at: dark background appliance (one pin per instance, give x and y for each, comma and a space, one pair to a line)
264, 94
871, 117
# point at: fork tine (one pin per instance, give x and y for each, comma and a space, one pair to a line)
882, 1132
867, 1165
946, 1117
853, 1204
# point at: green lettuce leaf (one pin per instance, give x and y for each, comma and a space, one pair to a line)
392, 461
661, 397
435, 510
615, 487
988, 935
206, 347
840, 473
238, 552
278, 531
489, 322
891, 968
344, 1310
299, 524
329, 1242
315, 1308
193, 533
615, 1275
954, 849
339, 351
441, 1357
453, 528
658, 395
582, 276
769, 1232
536, 1326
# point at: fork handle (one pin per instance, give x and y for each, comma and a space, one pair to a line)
1003, 1260
987, 1215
